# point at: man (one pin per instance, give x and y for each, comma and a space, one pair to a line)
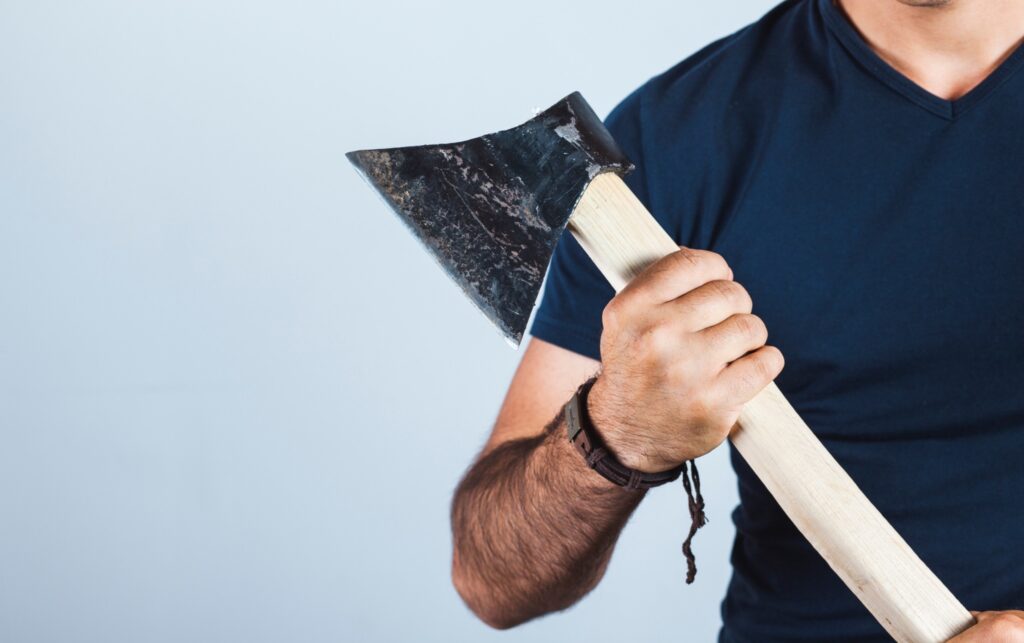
857, 167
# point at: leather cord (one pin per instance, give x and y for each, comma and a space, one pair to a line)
587, 442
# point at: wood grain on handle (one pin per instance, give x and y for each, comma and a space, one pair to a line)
819, 497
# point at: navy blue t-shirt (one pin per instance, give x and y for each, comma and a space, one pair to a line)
880, 232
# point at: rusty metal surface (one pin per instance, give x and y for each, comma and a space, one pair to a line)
491, 209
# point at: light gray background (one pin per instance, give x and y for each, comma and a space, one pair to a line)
235, 395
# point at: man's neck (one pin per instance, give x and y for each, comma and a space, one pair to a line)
947, 48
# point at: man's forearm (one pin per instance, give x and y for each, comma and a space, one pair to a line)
533, 528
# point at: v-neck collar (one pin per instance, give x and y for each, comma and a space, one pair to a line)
948, 109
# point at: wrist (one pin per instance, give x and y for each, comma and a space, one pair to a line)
563, 455
593, 450
621, 439
629, 468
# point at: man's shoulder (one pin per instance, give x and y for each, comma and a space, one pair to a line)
690, 126
727, 70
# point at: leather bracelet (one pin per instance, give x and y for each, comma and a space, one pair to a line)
588, 443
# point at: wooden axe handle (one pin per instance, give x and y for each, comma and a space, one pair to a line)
819, 497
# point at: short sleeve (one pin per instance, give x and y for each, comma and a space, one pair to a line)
575, 292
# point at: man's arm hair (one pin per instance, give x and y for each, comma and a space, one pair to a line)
533, 528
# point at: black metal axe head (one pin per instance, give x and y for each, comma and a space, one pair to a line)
491, 209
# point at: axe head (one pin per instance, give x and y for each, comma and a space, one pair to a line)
491, 209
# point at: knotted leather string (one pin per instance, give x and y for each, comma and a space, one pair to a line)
697, 516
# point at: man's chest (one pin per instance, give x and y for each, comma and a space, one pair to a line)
896, 291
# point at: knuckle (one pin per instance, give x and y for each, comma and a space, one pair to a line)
711, 261
688, 372
723, 288
682, 261
686, 258
742, 298
772, 361
735, 295
753, 327
612, 314
764, 369
659, 342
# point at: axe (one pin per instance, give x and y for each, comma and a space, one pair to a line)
490, 210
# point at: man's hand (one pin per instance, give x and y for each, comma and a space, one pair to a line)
533, 526
994, 627
681, 355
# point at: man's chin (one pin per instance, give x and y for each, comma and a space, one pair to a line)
926, 3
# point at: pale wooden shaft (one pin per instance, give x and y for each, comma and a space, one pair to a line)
819, 497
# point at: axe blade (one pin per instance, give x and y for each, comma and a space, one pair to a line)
491, 209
